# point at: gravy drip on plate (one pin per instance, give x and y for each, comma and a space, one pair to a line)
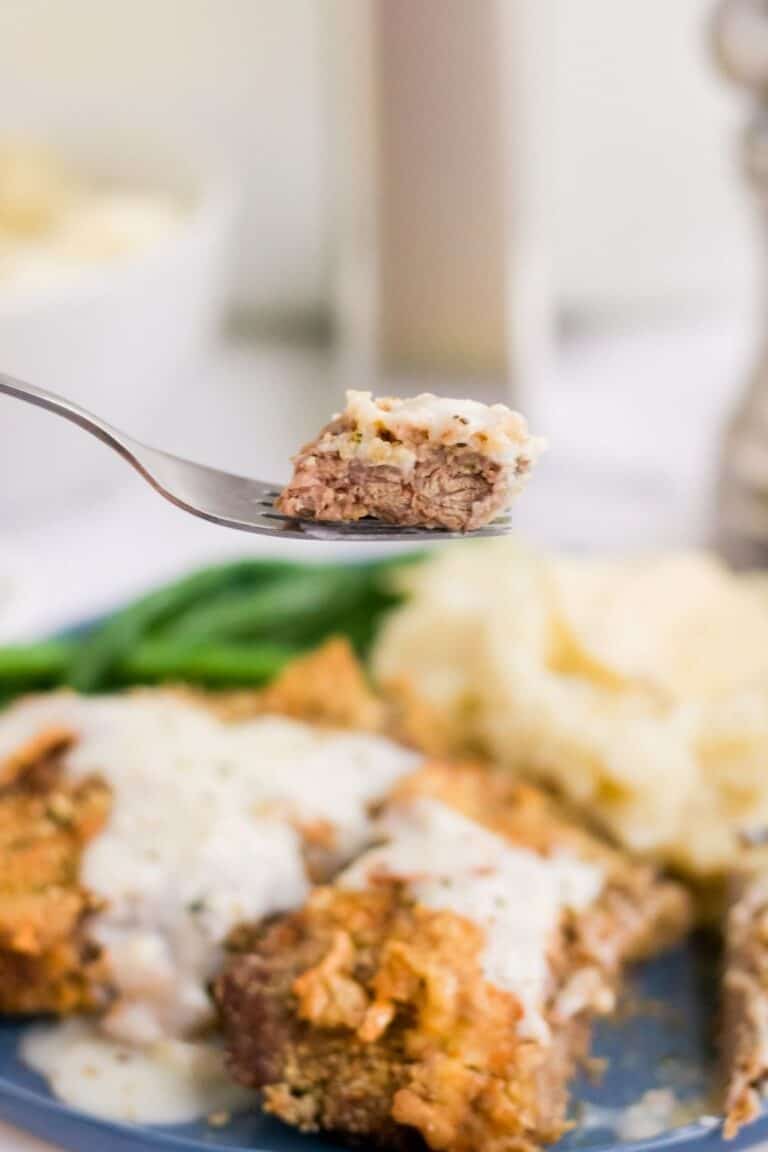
173, 1082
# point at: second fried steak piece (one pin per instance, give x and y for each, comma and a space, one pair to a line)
370, 1016
372, 1013
47, 962
745, 1001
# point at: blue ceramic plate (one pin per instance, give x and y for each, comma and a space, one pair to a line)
666, 1042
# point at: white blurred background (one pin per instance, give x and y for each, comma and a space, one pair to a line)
539, 199
647, 209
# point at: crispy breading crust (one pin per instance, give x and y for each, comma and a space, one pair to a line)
47, 963
366, 1014
327, 686
744, 1043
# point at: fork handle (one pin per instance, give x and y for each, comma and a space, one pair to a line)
60, 406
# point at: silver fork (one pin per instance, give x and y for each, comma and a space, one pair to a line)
233, 501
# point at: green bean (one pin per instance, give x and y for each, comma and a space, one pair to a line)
113, 641
295, 605
221, 665
304, 607
284, 608
394, 561
358, 617
202, 627
27, 666
362, 627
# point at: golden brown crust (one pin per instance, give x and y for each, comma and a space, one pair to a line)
328, 687
367, 1014
415, 722
744, 1047
33, 756
47, 963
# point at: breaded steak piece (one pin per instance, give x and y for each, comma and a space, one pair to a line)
444, 986
370, 1016
745, 1002
213, 821
49, 959
428, 461
47, 962
327, 686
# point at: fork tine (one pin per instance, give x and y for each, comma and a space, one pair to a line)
318, 530
371, 528
220, 497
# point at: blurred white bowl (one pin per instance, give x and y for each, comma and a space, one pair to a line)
124, 338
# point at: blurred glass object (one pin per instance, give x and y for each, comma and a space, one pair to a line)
443, 261
741, 42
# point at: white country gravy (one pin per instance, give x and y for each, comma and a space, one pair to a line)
494, 430
201, 837
171, 1082
515, 895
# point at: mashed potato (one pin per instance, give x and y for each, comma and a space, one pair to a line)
639, 689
